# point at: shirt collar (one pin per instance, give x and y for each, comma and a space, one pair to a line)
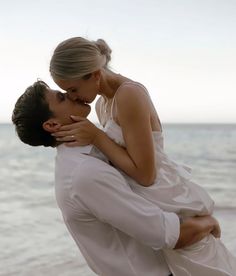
81, 149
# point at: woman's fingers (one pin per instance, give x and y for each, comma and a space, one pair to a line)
77, 118
69, 127
68, 138
75, 125
64, 133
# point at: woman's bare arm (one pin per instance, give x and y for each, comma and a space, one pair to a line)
138, 159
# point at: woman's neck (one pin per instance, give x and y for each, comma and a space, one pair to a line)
110, 82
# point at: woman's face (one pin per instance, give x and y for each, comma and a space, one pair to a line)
84, 90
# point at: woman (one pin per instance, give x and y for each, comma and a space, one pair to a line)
132, 140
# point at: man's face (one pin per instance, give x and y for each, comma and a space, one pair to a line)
62, 107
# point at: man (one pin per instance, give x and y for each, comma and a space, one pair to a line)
117, 231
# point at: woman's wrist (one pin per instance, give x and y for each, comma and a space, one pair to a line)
98, 137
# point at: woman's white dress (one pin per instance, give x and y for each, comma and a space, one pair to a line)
174, 191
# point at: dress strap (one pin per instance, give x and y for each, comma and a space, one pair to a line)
100, 105
112, 105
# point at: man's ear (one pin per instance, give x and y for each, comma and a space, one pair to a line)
51, 125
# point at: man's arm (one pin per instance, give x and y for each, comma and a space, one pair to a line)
104, 191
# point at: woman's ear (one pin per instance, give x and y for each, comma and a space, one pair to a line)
51, 125
97, 74
97, 78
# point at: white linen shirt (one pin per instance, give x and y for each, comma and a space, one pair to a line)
118, 232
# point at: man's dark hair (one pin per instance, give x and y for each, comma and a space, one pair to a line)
30, 112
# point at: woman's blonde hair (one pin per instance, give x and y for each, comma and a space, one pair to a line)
77, 57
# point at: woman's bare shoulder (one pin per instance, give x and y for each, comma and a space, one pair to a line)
132, 93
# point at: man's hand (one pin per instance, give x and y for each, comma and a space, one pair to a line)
194, 229
216, 232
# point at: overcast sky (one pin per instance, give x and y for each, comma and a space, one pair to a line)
183, 51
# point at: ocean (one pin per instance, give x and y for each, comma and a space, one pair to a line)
33, 237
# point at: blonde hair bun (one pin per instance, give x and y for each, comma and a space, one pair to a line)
104, 49
77, 57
